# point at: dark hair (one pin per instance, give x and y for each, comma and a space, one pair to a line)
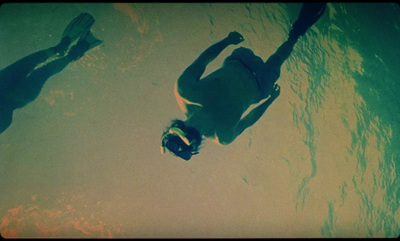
191, 133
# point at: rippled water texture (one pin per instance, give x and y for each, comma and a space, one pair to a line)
83, 159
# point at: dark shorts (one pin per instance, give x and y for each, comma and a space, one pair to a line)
266, 73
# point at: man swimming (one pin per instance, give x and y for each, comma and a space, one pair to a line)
22, 81
214, 105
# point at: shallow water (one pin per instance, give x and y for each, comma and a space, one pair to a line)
83, 159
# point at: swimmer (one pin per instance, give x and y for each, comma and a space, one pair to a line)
22, 81
214, 105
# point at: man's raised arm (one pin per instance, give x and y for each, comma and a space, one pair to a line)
193, 73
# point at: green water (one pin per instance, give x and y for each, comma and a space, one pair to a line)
83, 159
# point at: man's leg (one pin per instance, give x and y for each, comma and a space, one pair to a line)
30, 87
271, 70
309, 14
276, 60
33, 84
20, 69
23, 67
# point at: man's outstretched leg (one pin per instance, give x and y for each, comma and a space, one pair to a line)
20, 83
34, 82
269, 74
266, 78
19, 70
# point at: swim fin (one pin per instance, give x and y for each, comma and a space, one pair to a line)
86, 42
81, 23
91, 40
309, 14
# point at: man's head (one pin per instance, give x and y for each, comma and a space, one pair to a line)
181, 140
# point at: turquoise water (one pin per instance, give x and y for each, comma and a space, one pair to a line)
83, 159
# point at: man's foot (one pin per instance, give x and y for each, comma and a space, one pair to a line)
75, 28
